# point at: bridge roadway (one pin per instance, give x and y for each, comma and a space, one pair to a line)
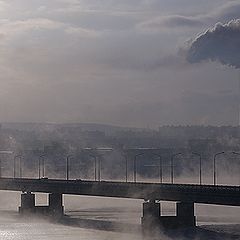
206, 194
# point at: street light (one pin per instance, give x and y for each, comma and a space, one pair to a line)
41, 157
160, 173
104, 149
135, 166
200, 166
172, 168
236, 153
14, 165
67, 166
3, 152
126, 163
95, 165
99, 168
214, 167
126, 167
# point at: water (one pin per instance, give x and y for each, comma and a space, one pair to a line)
104, 219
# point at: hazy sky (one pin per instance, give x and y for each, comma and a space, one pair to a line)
109, 61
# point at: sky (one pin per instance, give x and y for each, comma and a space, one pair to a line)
115, 62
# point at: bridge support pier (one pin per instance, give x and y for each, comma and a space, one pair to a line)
54, 208
27, 203
185, 214
152, 219
55, 201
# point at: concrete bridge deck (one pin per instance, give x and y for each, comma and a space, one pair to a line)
206, 194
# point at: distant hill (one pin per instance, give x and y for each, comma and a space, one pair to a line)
31, 126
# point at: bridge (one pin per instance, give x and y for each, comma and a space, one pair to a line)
185, 196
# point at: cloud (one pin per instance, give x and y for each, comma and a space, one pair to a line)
172, 21
79, 60
13, 27
220, 43
82, 32
224, 13
227, 12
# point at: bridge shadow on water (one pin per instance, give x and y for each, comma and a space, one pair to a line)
207, 232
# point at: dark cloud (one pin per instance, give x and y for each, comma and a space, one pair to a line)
220, 43
227, 12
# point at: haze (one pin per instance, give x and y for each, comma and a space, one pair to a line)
115, 62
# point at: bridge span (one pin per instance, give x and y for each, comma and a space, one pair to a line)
206, 194
185, 196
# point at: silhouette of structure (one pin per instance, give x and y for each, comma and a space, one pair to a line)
185, 196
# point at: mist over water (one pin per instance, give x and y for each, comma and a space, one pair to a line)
92, 212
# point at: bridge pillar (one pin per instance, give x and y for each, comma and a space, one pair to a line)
185, 214
151, 209
27, 203
56, 204
54, 208
151, 215
152, 219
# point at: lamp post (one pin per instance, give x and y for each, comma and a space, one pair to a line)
99, 168
200, 166
14, 164
3, 152
95, 166
126, 167
20, 167
172, 164
214, 167
135, 166
236, 153
41, 157
160, 173
104, 149
67, 166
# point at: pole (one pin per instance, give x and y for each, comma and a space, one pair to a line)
14, 167
160, 174
95, 168
200, 166
0, 168
134, 169
95, 165
160, 169
41, 157
135, 166
99, 169
39, 168
126, 168
200, 170
43, 167
67, 167
14, 164
214, 168
236, 153
172, 168
20, 167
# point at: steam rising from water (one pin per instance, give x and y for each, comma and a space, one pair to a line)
101, 210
